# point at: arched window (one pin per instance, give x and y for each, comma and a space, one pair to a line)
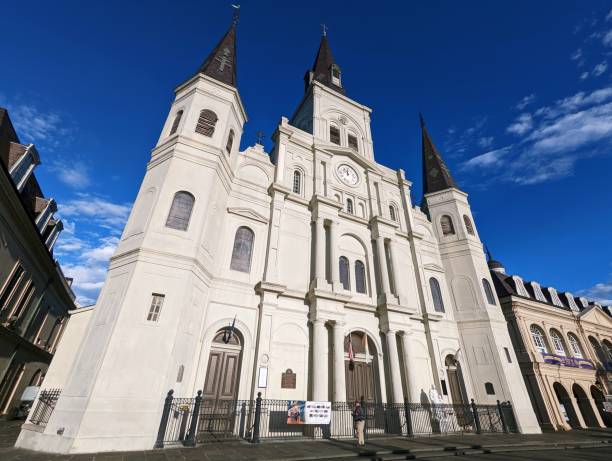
334, 135
297, 182
230, 142
360, 277
538, 338
349, 206
352, 142
344, 272
37, 378
488, 291
243, 250
574, 345
557, 342
447, 225
392, 213
468, 225
599, 352
180, 211
206, 123
436, 294
489, 389
175, 123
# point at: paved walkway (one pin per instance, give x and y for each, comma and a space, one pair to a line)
576, 445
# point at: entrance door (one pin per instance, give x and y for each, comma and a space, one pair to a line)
219, 406
361, 374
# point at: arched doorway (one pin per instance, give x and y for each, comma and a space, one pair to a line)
223, 370
599, 399
584, 405
566, 406
362, 373
455, 380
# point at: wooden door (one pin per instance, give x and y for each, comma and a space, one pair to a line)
359, 381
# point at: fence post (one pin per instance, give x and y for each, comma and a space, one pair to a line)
476, 420
501, 417
365, 415
408, 418
195, 416
257, 419
159, 443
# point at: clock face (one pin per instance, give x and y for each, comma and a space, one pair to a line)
347, 175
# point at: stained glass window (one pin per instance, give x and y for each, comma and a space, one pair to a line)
334, 135
436, 295
360, 277
344, 273
488, 291
180, 211
243, 250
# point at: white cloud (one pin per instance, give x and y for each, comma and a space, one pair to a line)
73, 174
584, 76
97, 208
600, 292
525, 101
488, 159
576, 55
600, 68
609, 16
607, 38
486, 141
521, 125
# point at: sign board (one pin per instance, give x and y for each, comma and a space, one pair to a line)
288, 379
262, 380
308, 412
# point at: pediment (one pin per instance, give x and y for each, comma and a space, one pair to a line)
433, 267
248, 214
594, 314
335, 150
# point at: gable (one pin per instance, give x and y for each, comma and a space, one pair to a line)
248, 214
595, 315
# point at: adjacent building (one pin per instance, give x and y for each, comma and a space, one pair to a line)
564, 347
296, 253
35, 297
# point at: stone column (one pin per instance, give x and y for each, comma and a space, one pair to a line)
339, 376
393, 276
410, 371
320, 252
333, 255
382, 263
397, 393
319, 360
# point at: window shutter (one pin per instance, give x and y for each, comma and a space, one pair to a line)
206, 123
334, 135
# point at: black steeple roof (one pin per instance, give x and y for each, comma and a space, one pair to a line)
221, 63
322, 67
436, 175
492, 263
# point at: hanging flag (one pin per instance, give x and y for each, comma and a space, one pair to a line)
351, 353
229, 332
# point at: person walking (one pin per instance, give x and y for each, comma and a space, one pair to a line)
359, 422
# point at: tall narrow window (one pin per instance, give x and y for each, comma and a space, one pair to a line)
349, 206
575, 345
297, 182
344, 272
360, 277
206, 123
243, 250
334, 135
230, 142
489, 389
557, 342
157, 302
352, 142
447, 225
436, 294
508, 358
538, 339
10, 288
392, 213
25, 299
175, 123
179, 375
180, 211
599, 352
468, 225
488, 291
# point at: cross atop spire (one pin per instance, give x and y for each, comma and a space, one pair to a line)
436, 175
325, 69
221, 63
323, 30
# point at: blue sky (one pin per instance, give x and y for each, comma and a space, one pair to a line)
517, 96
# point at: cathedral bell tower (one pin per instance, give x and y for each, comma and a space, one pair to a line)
485, 342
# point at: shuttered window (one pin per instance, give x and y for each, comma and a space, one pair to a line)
230, 142
344, 272
10, 288
175, 123
297, 182
180, 211
352, 142
334, 135
206, 123
392, 213
349, 206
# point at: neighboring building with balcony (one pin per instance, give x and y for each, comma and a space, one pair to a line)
35, 297
564, 345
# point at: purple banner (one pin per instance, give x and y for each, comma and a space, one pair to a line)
574, 362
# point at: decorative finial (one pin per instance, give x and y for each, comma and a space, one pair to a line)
422, 120
324, 30
236, 13
260, 135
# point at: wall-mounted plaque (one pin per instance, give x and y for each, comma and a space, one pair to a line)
288, 379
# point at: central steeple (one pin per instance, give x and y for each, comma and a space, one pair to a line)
325, 70
221, 63
436, 175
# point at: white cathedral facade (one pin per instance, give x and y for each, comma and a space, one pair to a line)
301, 248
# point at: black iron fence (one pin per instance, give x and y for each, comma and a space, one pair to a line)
193, 420
47, 398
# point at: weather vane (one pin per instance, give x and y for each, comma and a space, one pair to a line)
236, 12
324, 30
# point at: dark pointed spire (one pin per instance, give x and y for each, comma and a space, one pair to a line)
492, 263
436, 175
221, 63
325, 69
